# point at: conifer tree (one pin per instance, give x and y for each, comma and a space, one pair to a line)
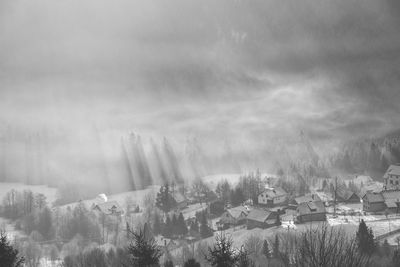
175, 226
278, 220
222, 254
365, 238
265, 249
167, 227
276, 247
164, 200
182, 225
143, 250
8, 254
205, 231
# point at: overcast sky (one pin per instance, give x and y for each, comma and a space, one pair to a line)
246, 71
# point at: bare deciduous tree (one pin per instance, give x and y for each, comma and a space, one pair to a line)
326, 247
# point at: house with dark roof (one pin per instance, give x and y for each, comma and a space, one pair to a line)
373, 202
108, 208
311, 211
261, 218
392, 200
379, 201
391, 177
306, 198
347, 196
233, 216
272, 197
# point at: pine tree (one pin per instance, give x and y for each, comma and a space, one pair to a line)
386, 248
276, 247
182, 225
45, 223
164, 200
194, 226
157, 224
175, 226
365, 238
222, 254
205, 231
8, 254
265, 250
324, 185
143, 251
243, 259
167, 227
278, 220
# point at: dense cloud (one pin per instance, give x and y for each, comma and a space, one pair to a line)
246, 72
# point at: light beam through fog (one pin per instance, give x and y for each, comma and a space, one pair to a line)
239, 76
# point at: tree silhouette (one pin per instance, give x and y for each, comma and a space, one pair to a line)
8, 254
222, 254
143, 250
365, 238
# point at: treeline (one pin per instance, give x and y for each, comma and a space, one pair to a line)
50, 231
174, 225
321, 246
371, 155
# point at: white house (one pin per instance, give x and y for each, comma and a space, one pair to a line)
273, 196
392, 177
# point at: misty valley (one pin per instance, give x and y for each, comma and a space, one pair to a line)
199, 133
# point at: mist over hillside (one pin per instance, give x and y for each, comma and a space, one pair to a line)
231, 85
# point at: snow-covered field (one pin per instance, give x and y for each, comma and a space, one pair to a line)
49, 192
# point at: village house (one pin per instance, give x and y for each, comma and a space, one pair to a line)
373, 202
233, 216
260, 218
311, 211
392, 200
302, 199
108, 208
392, 177
372, 187
347, 196
273, 197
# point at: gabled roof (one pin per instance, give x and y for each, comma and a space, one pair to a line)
274, 192
311, 208
390, 204
392, 170
237, 211
307, 198
391, 195
259, 215
109, 207
344, 193
373, 197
